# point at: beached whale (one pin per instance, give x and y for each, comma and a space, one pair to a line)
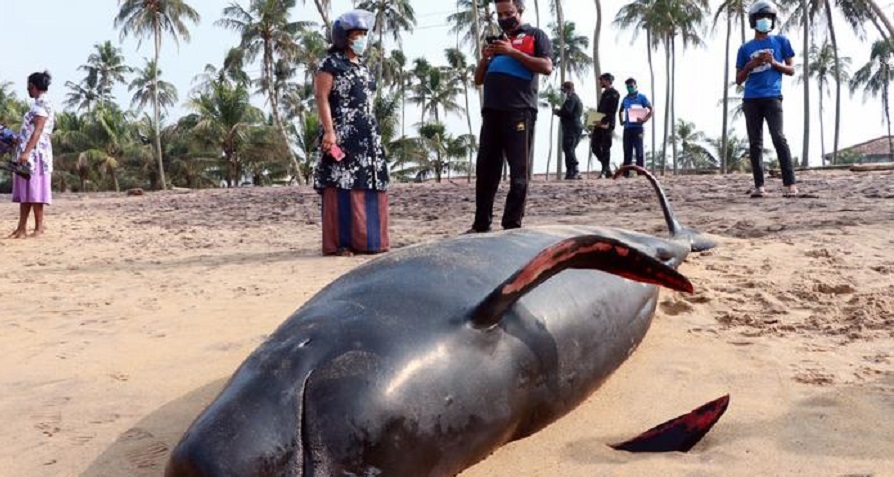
426, 360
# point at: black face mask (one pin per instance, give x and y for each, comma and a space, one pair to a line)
508, 24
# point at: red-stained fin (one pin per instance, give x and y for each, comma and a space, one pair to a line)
679, 434
593, 252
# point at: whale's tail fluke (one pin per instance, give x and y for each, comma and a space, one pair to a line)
698, 241
679, 434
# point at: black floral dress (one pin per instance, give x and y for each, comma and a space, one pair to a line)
356, 130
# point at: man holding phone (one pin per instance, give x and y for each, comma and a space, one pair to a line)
508, 69
760, 64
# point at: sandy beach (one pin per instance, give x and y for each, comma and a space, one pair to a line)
125, 320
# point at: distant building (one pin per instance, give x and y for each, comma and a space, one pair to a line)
875, 150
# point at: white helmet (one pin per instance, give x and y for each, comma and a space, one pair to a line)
762, 8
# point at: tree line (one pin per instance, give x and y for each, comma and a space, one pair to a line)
102, 144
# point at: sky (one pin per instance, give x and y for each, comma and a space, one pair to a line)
59, 36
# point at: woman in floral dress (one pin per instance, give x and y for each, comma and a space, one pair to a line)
353, 184
35, 149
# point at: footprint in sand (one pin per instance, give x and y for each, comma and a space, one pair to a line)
675, 307
149, 456
49, 420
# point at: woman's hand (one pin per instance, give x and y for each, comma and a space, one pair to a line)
329, 140
23, 157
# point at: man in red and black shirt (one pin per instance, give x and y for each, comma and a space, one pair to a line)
508, 70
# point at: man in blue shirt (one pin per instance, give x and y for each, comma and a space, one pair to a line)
635, 111
760, 64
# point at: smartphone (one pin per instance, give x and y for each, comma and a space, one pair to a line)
336, 153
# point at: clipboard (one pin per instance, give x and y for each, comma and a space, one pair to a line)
594, 118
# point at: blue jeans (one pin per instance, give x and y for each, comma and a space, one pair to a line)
633, 141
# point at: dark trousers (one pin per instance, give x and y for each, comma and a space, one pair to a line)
756, 112
508, 134
633, 142
601, 145
570, 139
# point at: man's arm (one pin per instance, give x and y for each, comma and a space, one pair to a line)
567, 110
785, 68
612, 108
487, 53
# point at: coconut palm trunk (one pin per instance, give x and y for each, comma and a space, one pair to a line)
322, 8
805, 153
274, 107
652, 86
471, 131
725, 134
156, 114
834, 41
887, 105
667, 102
560, 22
380, 26
883, 17
476, 31
673, 101
597, 66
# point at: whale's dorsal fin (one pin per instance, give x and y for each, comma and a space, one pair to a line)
594, 252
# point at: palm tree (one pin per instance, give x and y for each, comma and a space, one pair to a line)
549, 99
823, 67
463, 73
563, 59
155, 18
224, 116
875, 78
267, 32
693, 153
231, 70
323, 7
82, 96
393, 16
148, 88
420, 73
106, 65
597, 67
736, 150
574, 58
11, 108
684, 19
730, 9
636, 16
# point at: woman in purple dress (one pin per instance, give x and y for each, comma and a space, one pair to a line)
36, 150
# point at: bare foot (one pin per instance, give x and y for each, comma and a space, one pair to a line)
17, 234
36, 233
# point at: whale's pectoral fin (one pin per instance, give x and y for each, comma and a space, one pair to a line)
593, 252
679, 434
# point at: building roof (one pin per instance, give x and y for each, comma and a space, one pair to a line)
873, 147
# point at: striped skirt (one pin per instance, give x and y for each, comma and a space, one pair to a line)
355, 221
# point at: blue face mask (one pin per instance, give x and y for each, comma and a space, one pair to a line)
763, 25
358, 46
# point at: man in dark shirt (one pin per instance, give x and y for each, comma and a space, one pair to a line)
601, 138
570, 114
508, 70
